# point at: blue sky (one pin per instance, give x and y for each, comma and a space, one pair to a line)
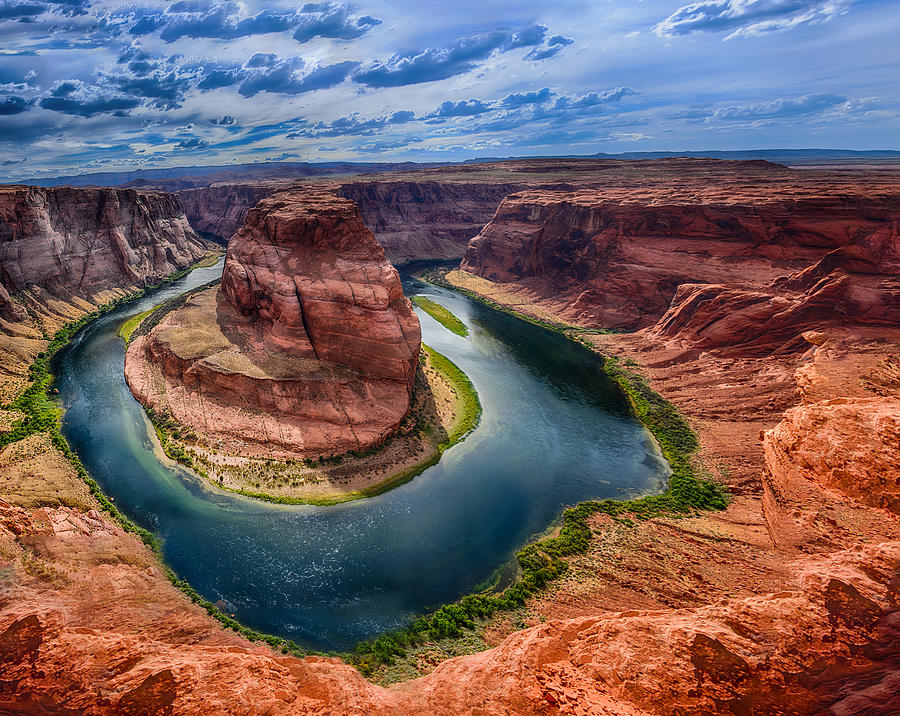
100, 85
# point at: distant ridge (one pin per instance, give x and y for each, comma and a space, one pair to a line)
195, 176
255, 171
772, 155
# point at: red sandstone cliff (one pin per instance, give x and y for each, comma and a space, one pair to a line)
794, 251
412, 219
65, 244
309, 348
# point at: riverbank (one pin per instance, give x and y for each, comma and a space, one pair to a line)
465, 626
688, 561
445, 409
441, 315
45, 490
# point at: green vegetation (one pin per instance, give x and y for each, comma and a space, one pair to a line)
131, 325
438, 278
441, 315
42, 414
469, 410
170, 432
545, 560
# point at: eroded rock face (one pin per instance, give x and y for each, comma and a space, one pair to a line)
74, 243
309, 347
305, 264
219, 210
426, 219
757, 259
829, 449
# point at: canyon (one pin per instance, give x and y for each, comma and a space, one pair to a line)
412, 219
65, 251
309, 348
761, 301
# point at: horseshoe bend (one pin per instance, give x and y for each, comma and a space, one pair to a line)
747, 313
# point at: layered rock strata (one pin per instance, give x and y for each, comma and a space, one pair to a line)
309, 347
70, 245
218, 211
412, 219
735, 265
426, 219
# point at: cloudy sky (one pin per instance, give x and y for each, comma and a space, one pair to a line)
92, 85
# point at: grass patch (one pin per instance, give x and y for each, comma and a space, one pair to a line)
466, 420
437, 276
131, 325
441, 315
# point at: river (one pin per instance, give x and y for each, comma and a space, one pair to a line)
554, 431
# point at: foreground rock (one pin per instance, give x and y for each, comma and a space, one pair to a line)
308, 348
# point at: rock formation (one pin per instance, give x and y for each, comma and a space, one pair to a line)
67, 244
756, 257
430, 219
309, 347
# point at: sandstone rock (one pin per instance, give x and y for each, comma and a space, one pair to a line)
76, 243
309, 348
794, 252
219, 210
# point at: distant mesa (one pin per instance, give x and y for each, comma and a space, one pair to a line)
308, 347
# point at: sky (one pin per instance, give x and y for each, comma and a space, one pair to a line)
100, 85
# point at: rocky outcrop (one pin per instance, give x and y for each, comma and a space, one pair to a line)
114, 636
427, 219
309, 347
67, 244
306, 266
837, 445
758, 258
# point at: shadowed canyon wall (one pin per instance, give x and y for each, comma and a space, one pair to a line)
412, 219
79, 242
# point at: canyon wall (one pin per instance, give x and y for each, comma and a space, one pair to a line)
66, 244
606, 259
218, 210
412, 219
309, 347
429, 219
